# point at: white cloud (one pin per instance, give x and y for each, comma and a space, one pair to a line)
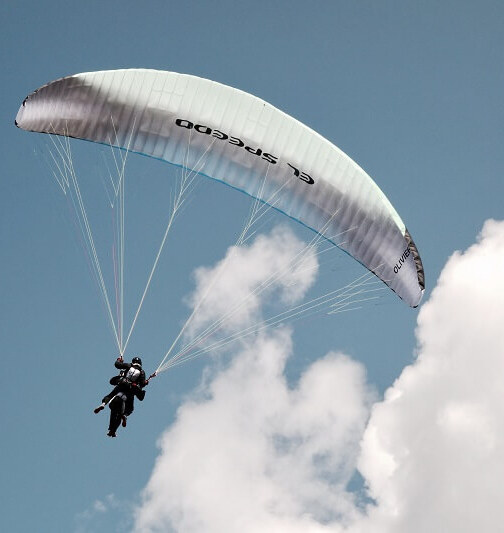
98, 514
277, 265
254, 455
433, 452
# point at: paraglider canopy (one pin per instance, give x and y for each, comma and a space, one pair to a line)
241, 140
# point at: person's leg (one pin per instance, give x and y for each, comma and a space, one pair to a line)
106, 399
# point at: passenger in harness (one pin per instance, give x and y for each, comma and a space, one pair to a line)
128, 384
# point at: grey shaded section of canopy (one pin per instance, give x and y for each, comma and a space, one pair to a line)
243, 141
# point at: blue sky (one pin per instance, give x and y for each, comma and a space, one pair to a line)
412, 91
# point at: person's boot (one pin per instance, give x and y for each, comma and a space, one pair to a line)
100, 408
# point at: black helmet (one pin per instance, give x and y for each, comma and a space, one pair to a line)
136, 361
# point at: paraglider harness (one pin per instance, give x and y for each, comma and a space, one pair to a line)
127, 380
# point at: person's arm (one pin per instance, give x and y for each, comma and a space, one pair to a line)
120, 364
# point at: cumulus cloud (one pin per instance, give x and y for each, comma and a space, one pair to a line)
253, 453
433, 453
256, 455
277, 265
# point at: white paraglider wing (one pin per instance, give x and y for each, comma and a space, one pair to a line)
240, 140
